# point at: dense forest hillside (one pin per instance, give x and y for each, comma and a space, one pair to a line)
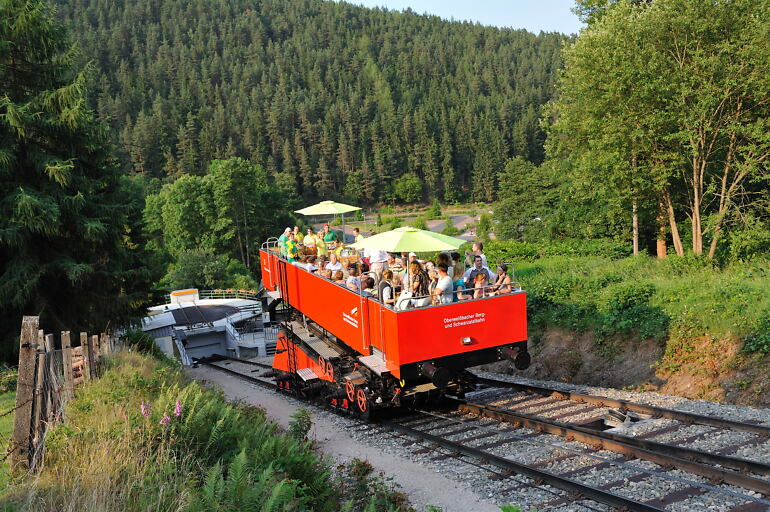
332, 99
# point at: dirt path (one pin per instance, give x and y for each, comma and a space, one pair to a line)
422, 485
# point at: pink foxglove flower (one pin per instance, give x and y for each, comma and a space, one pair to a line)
146, 409
166, 420
178, 408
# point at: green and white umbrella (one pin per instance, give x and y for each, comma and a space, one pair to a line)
409, 239
329, 208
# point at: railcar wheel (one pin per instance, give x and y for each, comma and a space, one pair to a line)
363, 405
350, 390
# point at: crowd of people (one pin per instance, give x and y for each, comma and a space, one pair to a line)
397, 280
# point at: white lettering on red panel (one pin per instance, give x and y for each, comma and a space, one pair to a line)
459, 321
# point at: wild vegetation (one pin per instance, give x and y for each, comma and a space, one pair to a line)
144, 437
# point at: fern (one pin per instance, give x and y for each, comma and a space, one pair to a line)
284, 492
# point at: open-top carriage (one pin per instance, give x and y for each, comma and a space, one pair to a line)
355, 352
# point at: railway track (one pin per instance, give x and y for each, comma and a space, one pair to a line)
585, 463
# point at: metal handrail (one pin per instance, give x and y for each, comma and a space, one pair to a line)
400, 300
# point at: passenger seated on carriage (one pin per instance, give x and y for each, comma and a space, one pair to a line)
338, 277
480, 284
334, 264
442, 292
458, 285
367, 286
502, 282
444, 258
478, 268
307, 262
346, 268
419, 282
353, 281
326, 274
385, 289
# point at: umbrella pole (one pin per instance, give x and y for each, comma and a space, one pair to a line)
343, 228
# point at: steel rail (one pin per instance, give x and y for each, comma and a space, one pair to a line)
566, 484
215, 357
598, 441
249, 378
625, 405
736, 463
756, 502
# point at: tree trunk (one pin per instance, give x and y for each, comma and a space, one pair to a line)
661, 221
635, 223
678, 247
697, 233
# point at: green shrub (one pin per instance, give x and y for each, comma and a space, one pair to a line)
408, 188
8, 379
300, 424
759, 340
434, 212
450, 230
485, 226
623, 296
420, 223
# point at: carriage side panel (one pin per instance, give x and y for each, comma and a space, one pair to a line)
330, 305
460, 327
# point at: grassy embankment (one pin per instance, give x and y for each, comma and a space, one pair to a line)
191, 451
7, 402
709, 321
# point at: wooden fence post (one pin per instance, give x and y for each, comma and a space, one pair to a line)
50, 390
105, 343
22, 421
95, 355
66, 357
40, 403
85, 343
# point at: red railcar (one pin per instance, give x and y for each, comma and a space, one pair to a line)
358, 352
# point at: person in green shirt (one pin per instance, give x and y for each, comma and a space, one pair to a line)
357, 234
282, 241
329, 236
292, 249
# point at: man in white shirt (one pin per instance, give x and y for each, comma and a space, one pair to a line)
378, 262
478, 267
444, 288
334, 263
478, 250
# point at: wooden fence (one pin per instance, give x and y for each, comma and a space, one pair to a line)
47, 378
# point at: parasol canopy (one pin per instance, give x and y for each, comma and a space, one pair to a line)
327, 208
409, 239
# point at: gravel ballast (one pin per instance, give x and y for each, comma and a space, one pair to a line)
429, 476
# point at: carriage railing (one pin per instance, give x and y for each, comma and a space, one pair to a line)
229, 294
515, 287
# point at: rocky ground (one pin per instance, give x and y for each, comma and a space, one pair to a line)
448, 484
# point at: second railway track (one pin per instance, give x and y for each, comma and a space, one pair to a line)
577, 464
